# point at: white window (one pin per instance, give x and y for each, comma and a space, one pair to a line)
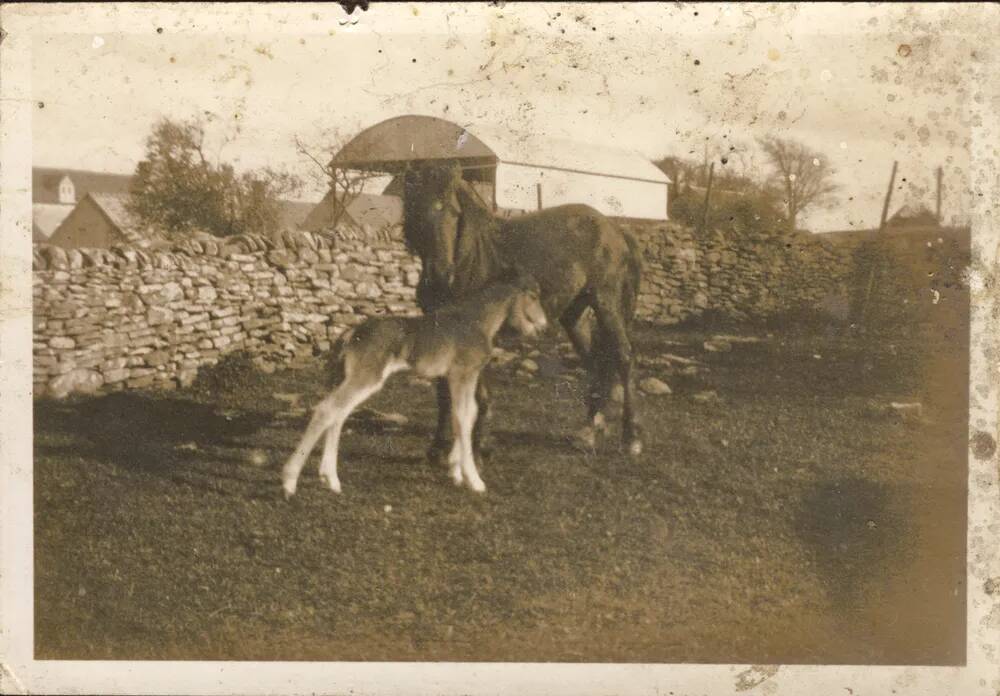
67, 192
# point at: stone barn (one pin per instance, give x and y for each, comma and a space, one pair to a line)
514, 172
98, 221
55, 192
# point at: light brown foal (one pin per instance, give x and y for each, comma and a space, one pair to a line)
455, 342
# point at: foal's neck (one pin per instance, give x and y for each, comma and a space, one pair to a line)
491, 307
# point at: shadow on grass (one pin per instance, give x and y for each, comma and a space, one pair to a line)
152, 433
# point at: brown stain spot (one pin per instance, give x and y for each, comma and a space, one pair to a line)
983, 445
172, 59
992, 586
773, 54
904, 50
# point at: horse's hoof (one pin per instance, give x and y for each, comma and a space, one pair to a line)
437, 455
477, 487
456, 476
288, 490
585, 439
635, 448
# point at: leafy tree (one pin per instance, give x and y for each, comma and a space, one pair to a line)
178, 189
804, 177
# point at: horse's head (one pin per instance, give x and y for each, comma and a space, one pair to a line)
431, 219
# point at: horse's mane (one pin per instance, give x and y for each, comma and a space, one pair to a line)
477, 256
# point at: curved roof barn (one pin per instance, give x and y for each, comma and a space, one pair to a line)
516, 171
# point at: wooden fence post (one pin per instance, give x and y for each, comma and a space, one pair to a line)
881, 226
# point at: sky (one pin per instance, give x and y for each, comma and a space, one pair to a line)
864, 85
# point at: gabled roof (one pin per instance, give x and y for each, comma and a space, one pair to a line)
377, 211
388, 145
292, 214
45, 183
536, 150
114, 206
46, 217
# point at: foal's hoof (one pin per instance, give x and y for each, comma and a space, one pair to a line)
288, 489
477, 487
333, 485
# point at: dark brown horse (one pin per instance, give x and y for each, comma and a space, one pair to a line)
579, 258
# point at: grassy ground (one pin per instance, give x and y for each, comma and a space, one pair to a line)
788, 521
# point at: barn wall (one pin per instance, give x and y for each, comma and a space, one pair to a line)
517, 190
86, 227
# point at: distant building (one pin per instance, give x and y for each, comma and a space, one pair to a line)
376, 212
514, 172
55, 192
99, 221
292, 215
912, 227
913, 216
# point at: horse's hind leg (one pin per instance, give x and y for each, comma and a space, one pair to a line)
577, 327
619, 351
601, 373
480, 431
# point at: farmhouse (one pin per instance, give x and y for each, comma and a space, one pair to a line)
98, 221
54, 193
515, 172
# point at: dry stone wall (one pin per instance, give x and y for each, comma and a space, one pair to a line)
129, 318
747, 275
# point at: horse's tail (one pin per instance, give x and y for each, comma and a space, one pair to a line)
633, 278
335, 359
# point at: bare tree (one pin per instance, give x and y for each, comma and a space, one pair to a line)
803, 176
344, 185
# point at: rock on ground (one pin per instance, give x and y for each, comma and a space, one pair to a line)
654, 386
716, 346
79, 380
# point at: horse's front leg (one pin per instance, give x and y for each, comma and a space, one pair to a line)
481, 440
443, 435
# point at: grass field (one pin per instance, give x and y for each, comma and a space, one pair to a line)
790, 520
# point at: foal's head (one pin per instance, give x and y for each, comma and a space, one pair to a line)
526, 315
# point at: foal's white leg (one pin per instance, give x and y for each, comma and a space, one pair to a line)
464, 413
328, 464
329, 415
455, 459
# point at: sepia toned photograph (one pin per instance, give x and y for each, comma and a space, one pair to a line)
547, 333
